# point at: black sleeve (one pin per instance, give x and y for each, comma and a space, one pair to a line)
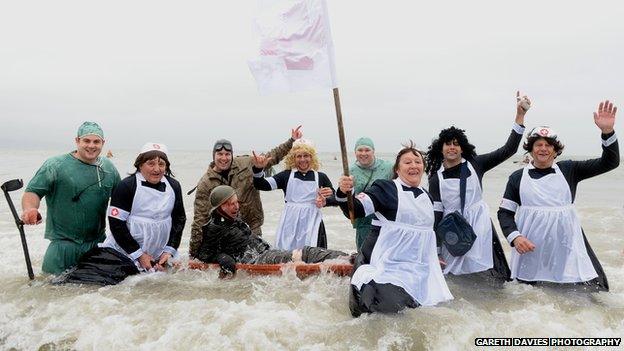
369, 244
496, 157
324, 182
379, 192
281, 179
227, 263
609, 160
210, 246
358, 209
434, 194
506, 217
122, 197
178, 215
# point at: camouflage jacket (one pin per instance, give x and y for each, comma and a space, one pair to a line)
241, 179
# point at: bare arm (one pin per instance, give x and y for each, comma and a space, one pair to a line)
30, 208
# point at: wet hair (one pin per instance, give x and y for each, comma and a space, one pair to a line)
434, 153
528, 145
150, 155
407, 148
291, 163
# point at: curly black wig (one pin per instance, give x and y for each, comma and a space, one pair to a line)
434, 153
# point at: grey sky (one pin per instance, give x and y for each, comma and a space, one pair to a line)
176, 72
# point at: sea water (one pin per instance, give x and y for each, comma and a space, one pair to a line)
194, 310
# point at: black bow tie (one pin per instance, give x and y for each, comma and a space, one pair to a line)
161, 186
414, 191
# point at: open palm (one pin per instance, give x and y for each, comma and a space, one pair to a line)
605, 116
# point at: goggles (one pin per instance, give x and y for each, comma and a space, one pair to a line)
221, 145
543, 132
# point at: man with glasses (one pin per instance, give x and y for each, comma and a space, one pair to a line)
236, 172
77, 186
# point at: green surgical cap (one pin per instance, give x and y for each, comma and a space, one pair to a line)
90, 128
364, 141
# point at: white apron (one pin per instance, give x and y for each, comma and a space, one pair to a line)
149, 221
477, 213
301, 219
405, 253
549, 220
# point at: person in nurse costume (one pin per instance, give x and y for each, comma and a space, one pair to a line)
398, 265
306, 191
537, 213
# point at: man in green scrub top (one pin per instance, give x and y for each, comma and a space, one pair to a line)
366, 169
76, 186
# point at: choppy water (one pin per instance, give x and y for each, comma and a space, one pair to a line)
195, 310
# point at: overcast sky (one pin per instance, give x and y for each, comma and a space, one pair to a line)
175, 72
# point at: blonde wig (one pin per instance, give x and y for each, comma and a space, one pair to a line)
289, 160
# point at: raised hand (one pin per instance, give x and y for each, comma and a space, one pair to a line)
296, 133
260, 161
605, 116
523, 103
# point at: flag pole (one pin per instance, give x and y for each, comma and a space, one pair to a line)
343, 150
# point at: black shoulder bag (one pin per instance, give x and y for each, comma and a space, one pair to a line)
454, 230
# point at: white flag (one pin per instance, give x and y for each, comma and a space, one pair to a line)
296, 50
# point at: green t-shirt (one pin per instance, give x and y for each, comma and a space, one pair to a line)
76, 195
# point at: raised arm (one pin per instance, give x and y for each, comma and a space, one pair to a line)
610, 159
278, 153
492, 159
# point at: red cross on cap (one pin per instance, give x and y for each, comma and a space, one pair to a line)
543, 132
114, 212
156, 146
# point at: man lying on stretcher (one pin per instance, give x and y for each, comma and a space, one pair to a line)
228, 240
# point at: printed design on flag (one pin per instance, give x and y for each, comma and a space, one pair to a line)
118, 213
296, 50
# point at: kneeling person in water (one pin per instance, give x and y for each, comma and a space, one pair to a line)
398, 264
228, 240
146, 217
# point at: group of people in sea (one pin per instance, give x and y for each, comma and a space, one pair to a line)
402, 254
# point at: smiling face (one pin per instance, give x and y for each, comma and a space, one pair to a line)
410, 168
543, 154
222, 160
153, 170
88, 148
303, 161
365, 155
451, 151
